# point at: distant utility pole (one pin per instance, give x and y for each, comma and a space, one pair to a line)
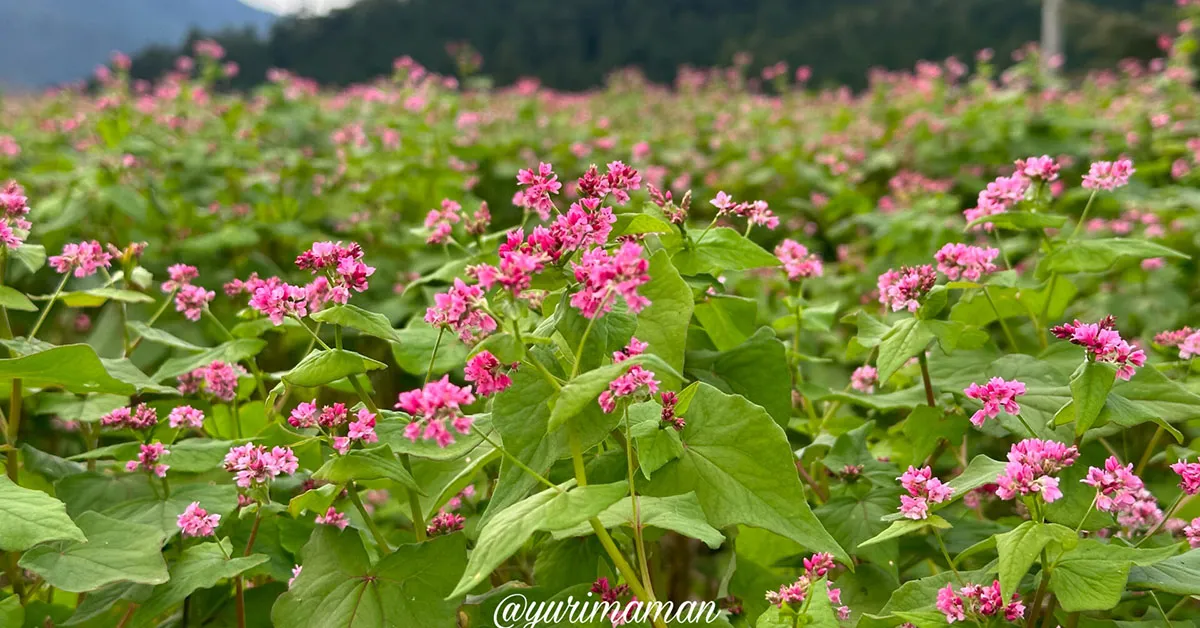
1052, 30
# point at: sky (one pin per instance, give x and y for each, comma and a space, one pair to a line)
293, 6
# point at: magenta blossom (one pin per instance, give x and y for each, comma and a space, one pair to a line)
435, 406
195, 521
147, 460
635, 383
333, 518
1030, 468
864, 379
459, 310
1103, 344
978, 603
219, 379
140, 418
255, 465
179, 275
965, 261
1042, 168
1108, 175
797, 261
1117, 487
444, 523
486, 372
995, 395
605, 277
1192, 532
83, 259
1189, 476
923, 490
191, 300
903, 289
185, 416
539, 186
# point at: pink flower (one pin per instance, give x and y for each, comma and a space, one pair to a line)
296, 569
797, 261
1142, 514
332, 416
148, 457
1190, 346
333, 518
668, 417
1192, 532
978, 602
185, 416
433, 407
486, 372
951, 604
864, 379
363, 428
632, 348
195, 521
1189, 476
1043, 168
617, 182
1030, 468
923, 489
458, 310
1108, 175
1103, 344
999, 196
218, 379
585, 224
444, 523
278, 300
84, 258
996, 395
304, 414
442, 221
179, 275
605, 277
141, 418
538, 188
636, 382
969, 262
256, 465
343, 271
1117, 487
902, 289
191, 300
14, 227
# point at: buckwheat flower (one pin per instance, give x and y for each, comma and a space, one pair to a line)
515, 272
477, 223
586, 223
218, 379
444, 523
333, 416
179, 275
362, 429
605, 277
117, 419
539, 186
1030, 468
433, 407
1142, 514
1108, 175
636, 382
950, 604
442, 221
304, 414
82, 259
341, 266
487, 374
1192, 532
1189, 347
148, 456
191, 300
1116, 485
797, 261
669, 400
632, 348
607, 592
996, 395
723, 202
1042, 168
758, 213
185, 416
619, 179
923, 489
255, 465
459, 310
196, 522
1189, 476
864, 379
978, 603
1103, 343
965, 261
902, 289
790, 594
296, 569
333, 518
1174, 338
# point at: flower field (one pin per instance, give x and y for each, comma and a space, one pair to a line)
404, 354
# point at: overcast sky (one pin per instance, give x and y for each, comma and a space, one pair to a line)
292, 6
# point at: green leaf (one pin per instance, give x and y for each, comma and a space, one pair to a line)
926, 426
567, 562
721, 250
1150, 397
201, 566
366, 464
656, 444
316, 500
547, 511
663, 324
904, 340
47, 465
756, 369
162, 513
981, 470
631, 223
1094, 256
415, 347
1092, 576
610, 333
325, 367
582, 391
75, 368
161, 337
99, 296
29, 517
902, 527
852, 521
31, 256
11, 611
354, 317
114, 551
728, 320
1089, 392
14, 300
232, 352
86, 408
1179, 575
1020, 221
739, 463
1019, 548
678, 513
340, 587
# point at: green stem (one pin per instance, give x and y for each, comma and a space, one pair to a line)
362, 394
150, 323
946, 554
1167, 515
433, 356
583, 342
1083, 217
926, 379
1141, 465
46, 310
516, 461
1091, 507
352, 490
414, 503
251, 361
706, 229
1003, 324
638, 538
577, 456
1032, 433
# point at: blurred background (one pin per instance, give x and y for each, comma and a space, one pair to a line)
567, 44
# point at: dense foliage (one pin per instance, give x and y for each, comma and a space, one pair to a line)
576, 45
393, 355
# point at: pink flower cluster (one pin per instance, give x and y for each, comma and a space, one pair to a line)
965, 261
83, 259
185, 416
669, 417
606, 276
1192, 532
487, 374
362, 429
278, 300
756, 212
1042, 168
147, 460
864, 379
1189, 347
636, 382
632, 348
195, 521
815, 567
308, 414
797, 261
539, 186
977, 603
616, 182
14, 227
219, 379
1108, 175
178, 276
459, 310
444, 523
433, 407
1030, 468
1103, 344
441, 222
1116, 485
333, 518
1189, 476
995, 395
1173, 337
923, 490
191, 300
255, 465
902, 289
141, 418
999, 196
343, 267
